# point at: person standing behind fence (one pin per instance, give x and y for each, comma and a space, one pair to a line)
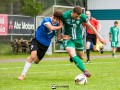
91, 37
113, 38
41, 42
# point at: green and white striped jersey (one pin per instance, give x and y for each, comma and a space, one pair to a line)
73, 27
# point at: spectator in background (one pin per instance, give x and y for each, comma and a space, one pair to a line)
91, 36
113, 38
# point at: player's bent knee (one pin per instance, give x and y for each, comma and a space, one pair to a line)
32, 57
36, 61
72, 54
81, 56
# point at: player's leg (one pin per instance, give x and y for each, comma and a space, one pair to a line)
116, 45
40, 53
96, 47
30, 59
92, 38
114, 49
81, 54
101, 48
70, 48
113, 45
75, 58
113, 52
35, 57
28, 64
36, 60
88, 43
37, 53
88, 50
78, 62
79, 45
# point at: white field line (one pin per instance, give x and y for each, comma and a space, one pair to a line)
62, 65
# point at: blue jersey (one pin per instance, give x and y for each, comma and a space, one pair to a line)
43, 34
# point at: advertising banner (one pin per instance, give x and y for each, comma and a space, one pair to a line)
3, 24
20, 25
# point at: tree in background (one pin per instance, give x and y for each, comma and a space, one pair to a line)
82, 3
34, 7
31, 8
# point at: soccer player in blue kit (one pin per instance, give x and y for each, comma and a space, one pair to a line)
41, 42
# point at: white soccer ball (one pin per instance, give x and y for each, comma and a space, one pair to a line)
81, 79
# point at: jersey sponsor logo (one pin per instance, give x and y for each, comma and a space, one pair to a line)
73, 20
68, 21
77, 22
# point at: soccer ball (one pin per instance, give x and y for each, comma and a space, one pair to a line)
81, 79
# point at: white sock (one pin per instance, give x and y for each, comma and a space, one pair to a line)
26, 67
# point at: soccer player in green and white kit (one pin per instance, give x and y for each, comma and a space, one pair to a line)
74, 45
113, 37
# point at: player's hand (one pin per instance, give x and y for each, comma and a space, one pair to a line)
66, 37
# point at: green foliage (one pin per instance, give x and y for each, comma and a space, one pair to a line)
32, 8
13, 0
5, 48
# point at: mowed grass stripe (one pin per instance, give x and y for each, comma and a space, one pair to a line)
61, 65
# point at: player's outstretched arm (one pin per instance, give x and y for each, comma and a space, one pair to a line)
51, 27
95, 31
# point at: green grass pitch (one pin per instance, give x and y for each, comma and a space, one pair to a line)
105, 75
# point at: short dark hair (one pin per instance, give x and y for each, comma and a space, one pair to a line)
116, 22
77, 9
57, 14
